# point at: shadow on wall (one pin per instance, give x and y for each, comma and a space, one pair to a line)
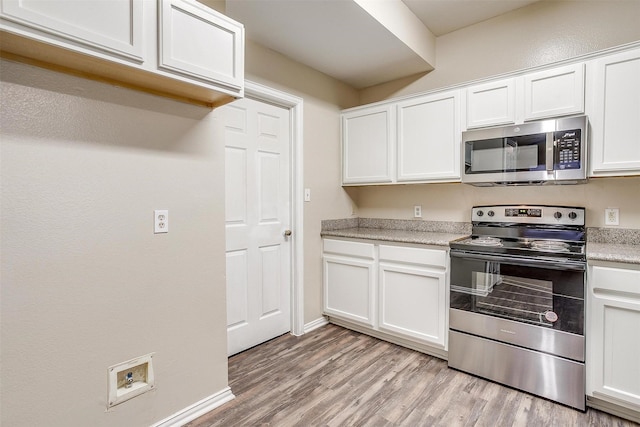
65, 117
391, 89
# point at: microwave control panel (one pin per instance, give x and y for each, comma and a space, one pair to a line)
567, 149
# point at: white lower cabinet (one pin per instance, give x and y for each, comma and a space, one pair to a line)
613, 334
349, 280
412, 293
401, 291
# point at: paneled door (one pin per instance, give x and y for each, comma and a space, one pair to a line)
258, 200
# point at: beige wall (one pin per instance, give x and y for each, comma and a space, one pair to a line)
85, 282
453, 202
323, 99
539, 34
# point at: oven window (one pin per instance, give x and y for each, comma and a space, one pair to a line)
522, 153
540, 296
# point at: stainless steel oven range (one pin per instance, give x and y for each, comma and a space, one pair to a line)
517, 300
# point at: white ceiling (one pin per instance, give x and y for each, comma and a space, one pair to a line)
339, 38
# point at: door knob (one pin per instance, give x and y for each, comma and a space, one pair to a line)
287, 233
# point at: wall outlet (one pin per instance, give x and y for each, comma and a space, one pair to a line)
130, 379
417, 211
612, 216
161, 221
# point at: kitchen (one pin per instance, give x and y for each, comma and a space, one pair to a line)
77, 298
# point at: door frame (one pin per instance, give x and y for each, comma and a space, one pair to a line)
294, 104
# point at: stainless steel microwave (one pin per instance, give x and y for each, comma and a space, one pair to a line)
543, 152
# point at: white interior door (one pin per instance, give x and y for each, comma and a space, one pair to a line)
258, 200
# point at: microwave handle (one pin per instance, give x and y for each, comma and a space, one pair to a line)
550, 151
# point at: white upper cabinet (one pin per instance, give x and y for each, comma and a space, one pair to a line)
539, 95
614, 114
176, 48
114, 27
368, 141
416, 140
429, 138
491, 104
555, 92
197, 42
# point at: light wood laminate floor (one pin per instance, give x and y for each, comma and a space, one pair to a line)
336, 377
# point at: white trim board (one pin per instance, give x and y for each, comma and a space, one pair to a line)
295, 106
315, 324
196, 410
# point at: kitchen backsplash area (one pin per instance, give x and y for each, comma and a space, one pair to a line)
452, 202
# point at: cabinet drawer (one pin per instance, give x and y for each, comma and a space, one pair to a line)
616, 279
434, 257
345, 247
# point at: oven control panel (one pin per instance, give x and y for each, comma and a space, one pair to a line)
523, 212
562, 215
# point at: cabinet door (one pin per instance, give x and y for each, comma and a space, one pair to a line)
367, 145
491, 104
413, 302
198, 42
429, 138
113, 27
615, 113
613, 336
555, 92
349, 285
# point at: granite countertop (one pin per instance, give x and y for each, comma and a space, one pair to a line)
399, 236
613, 252
613, 244
437, 233
603, 244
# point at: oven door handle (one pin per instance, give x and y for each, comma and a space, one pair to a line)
551, 263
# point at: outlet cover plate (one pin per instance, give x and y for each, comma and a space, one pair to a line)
612, 216
161, 221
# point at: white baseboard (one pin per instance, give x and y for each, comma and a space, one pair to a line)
318, 323
196, 410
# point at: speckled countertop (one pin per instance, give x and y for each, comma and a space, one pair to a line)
613, 244
437, 233
603, 244
613, 252
398, 236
